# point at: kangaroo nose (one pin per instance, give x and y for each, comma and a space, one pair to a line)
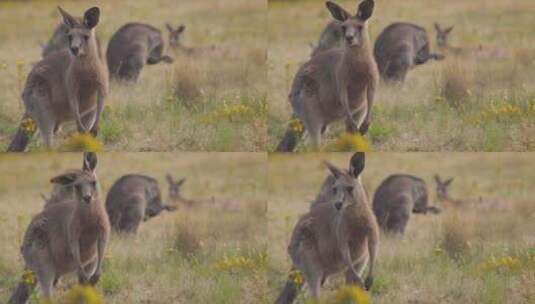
338, 205
75, 50
87, 198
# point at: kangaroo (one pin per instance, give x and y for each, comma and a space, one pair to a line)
399, 48
60, 40
67, 85
396, 198
134, 198
338, 236
479, 52
331, 37
133, 46
355, 165
68, 236
62, 191
442, 192
175, 194
337, 83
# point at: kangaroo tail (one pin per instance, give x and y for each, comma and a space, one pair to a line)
290, 291
24, 134
291, 137
23, 291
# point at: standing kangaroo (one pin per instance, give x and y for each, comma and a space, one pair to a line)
60, 40
337, 83
68, 236
67, 85
338, 236
62, 191
400, 47
134, 198
133, 46
396, 198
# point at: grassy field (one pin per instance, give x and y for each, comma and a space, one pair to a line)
202, 255
473, 255
459, 104
215, 102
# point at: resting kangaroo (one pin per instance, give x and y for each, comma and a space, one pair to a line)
60, 40
133, 46
337, 83
400, 47
67, 85
134, 198
175, 194
396, 198
338, 236
68, 236
62, 191
478, 52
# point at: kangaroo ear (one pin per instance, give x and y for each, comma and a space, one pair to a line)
448, 30
356, 165
64, 179
448, 182
437, 27
91, 17
181, 28
181, 182
90, 161
335, 171
169, 27
337, 12
365, 10
169, 178
437, 179
69, 20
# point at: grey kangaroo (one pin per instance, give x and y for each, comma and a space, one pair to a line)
480, 52
175, 195
396, 198
133, 46
68, 236
399, 48
339, 236
134, 198
337, 83
67, 85
62, 191
60, 40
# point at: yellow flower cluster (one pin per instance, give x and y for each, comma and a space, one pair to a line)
82, 294
503, 263
28, 125
296, 277
351, 294
3, 66
28, 277
348, 142
82, 142
232, 113
296, 126
495, 112
241, 263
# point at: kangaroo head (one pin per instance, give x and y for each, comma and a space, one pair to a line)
81, 32
80, 184
354, 27
344, 183
442, 187
174, 188
175, 34
442, 35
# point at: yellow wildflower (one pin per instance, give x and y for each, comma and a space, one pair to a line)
348, 142
351, 294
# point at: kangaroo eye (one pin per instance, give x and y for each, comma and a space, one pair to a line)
334, 190
359, 27
86, 37
349, 189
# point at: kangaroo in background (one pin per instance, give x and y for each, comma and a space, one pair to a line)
481, 52
175, 194
60, 40
62, 191
396, 198
337, 83
67, 236
133, 46
332, 36
399, 48
134, 198
338, 236
67, 85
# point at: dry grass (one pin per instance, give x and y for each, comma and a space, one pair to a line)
155, 114
173, 257
410, 118
494, 268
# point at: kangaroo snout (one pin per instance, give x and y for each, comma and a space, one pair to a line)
75, 50
86, 198
338, 205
